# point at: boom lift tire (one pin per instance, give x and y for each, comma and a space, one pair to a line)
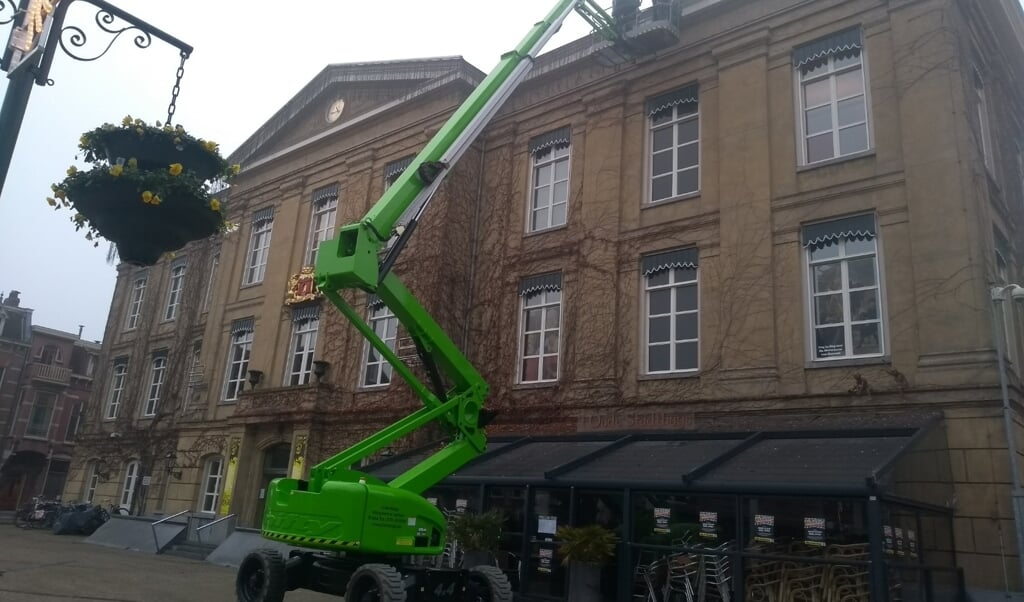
490, 583
375, 583
261, 577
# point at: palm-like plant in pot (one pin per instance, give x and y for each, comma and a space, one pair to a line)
585, 550
478, 535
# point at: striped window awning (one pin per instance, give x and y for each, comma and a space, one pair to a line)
121, 360
395, 168
544, 282
325, 194
686, 95
160, 353
824, 234
263, 215
305, 313
560, 137
840, 44
678, 258
374, 302
243, 326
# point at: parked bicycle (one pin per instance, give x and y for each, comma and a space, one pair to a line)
37, 514
82, 519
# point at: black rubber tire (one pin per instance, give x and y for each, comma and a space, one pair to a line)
261, 577
375, 583
490, 584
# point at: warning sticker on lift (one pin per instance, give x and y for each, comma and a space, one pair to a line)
388, 518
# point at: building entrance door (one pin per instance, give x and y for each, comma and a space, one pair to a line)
275, 466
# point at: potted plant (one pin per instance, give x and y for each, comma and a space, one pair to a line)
585, 550
478, 535
150, 188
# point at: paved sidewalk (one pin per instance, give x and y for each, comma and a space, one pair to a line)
37, 566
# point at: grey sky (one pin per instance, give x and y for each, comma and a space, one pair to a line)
250, 58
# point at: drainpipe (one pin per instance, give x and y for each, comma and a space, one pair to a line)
999, 294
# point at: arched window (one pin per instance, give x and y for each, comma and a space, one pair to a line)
92, 478
213, 479
131, 477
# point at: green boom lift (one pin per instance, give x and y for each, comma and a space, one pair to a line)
364, 525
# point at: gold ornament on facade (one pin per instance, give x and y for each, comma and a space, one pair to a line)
233, 449
302, 287
300, 446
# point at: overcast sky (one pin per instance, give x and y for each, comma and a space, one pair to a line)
250, 58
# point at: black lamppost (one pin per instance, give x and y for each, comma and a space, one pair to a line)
34, 65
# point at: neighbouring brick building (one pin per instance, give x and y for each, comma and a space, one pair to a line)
785, 217
45, 381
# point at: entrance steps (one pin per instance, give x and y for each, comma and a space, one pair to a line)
190, 549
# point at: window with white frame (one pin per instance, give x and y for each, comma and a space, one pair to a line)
321, 224
117, 383
540, 328
238, 357
135, 303
74, 419
157, 370
305, 324
674, 161
131, 478
392, 171
259, 246
1002, 260
376, 369
671, 303
177, 283
41, 414
832, 97
214, 264
844, 286
213, 477
984, 124
91, 481
549, 190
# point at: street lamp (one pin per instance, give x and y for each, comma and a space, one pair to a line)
170, 461
999, 294
34, 39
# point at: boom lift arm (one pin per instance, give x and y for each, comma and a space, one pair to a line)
341, 509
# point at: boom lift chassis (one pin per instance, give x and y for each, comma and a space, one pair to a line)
364, 527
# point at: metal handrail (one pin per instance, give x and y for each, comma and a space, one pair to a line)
156, 542
199, 530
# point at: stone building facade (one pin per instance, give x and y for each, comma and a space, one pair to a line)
791, 215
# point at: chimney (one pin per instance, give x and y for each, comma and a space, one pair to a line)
12, 299
81, 327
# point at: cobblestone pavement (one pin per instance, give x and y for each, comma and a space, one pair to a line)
37, 566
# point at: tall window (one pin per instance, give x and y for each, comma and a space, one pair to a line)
41, 415
671, 300
674, 122
984, 125
131, 478
117, 383
91, 481
376, 369
259, 246
305, 323
832, 100
549, 195
74, 418
844, 289
174, 291
321, 225
238, 358
135, 303
540, 328
392, 171
157, 370
213, 475
214, 264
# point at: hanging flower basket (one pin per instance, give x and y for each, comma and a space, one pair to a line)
148, 191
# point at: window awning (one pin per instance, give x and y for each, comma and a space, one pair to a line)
685, 95
559, 137
306, 312
854, 462
325, 194
840, 43
820, 235
243, 325
678, 258
265, 214
544, 282
395, 168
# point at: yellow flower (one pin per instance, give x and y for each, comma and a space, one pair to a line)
211, 146
115, 170
83, 141
133, 163
168, 128
147, 197
236, 168
140, 122
51, 201
127, 120
175, 169
72, 170
214, 204
60, 194
140, 131
177, 140
156, 199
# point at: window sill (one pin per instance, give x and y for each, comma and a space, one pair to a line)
227, 402
874, 360
546, 230
251, 285
835, 161
547, 384
35, 437
669, 375
675, 199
